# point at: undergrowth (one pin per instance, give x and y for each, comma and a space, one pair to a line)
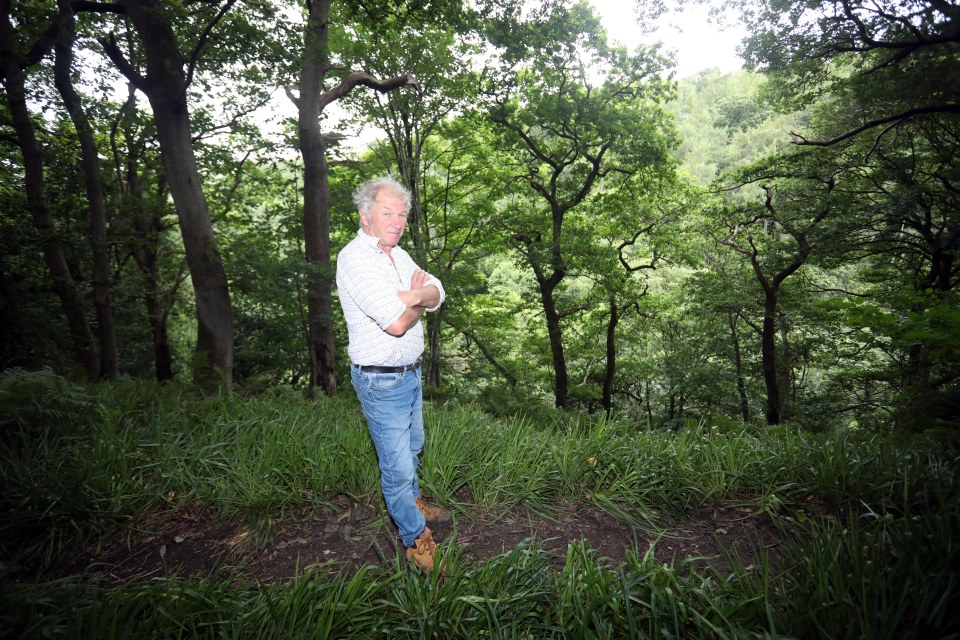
870, 521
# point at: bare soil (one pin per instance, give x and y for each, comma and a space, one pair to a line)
186, 542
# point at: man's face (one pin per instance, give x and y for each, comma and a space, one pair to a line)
388, 218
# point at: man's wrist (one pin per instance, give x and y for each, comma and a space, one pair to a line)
423, 297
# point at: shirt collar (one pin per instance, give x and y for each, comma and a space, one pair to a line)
370, 241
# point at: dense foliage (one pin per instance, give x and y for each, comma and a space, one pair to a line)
665, 297
778, 244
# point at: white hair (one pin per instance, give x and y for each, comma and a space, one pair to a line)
367, 193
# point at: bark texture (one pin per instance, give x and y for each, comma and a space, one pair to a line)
93, 182
316, 200
165, 85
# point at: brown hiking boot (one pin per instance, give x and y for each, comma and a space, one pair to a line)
421, 553
433, 515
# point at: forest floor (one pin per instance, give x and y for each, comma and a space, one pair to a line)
188, 543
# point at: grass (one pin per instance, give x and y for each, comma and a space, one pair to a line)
871, 521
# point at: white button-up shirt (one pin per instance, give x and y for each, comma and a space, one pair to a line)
368, 282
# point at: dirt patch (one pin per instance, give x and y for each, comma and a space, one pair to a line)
346, 535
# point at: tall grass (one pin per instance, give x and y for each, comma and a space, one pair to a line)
514, 595
880, 575
870, 522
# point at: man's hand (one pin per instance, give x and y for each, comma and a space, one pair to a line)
419, 279
418, 299
420, 294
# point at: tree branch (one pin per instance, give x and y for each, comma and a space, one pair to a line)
511, 379
750, 323
360, 78
43, 45
116, 56
294, 99
905, 115
632, 241
97, 7
195, 54
566, 313
237, 179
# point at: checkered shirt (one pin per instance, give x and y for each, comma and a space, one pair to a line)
368, 282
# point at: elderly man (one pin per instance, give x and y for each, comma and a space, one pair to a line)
383, 294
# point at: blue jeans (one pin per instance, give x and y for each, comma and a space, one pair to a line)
393, 406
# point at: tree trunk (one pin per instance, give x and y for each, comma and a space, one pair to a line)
14, 81
149, 226
407, 150
768, 351
406, 144
109, 358
316, 230
162, 356
771, 290
611, 357
166, 88
646, 398
433, 346
316, 189
788, 384
738, 367
552, 317
316, 201
144, 246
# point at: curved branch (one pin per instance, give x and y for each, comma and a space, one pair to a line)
632, 241
502, 369
905, 115
501, 118
361, 78
195, 54
293, 98
116, 56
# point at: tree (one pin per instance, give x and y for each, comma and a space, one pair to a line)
317, 66
844, 46
885, 80
14, 62
435, 48
783, 228
624, 292
165, 84
576, 117
93, 182
909, 237
144, 219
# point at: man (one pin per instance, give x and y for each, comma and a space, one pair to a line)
383, 294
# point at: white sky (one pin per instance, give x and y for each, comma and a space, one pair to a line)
698, 44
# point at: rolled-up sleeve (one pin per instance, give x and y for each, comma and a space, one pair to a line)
443, 295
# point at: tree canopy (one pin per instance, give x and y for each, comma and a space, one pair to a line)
780, 241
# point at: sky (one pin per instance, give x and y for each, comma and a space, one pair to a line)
698, 44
